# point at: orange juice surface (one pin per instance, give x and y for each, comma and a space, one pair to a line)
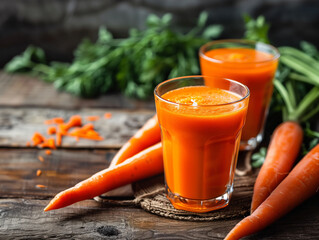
200, 137
251, 67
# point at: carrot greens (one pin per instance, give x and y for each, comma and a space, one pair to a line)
132, 65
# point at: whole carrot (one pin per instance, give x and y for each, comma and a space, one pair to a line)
281, 155
145, 137
147, 163
300, 184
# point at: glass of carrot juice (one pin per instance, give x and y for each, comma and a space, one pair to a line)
201, 127
251, 63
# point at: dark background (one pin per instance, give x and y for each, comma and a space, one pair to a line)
59, 25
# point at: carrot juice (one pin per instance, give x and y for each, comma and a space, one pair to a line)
201, 128
253, 64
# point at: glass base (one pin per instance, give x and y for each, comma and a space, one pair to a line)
251, 144
197, 205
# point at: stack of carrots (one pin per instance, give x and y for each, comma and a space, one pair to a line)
141, 157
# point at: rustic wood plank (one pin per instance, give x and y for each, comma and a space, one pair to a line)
60, 170
91, 220
25, 91
17, 125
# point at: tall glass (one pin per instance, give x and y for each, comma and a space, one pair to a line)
251, 63
201, 128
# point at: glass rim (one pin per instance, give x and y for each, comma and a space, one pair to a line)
243, 41
206, 105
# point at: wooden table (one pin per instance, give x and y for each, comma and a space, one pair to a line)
25, 103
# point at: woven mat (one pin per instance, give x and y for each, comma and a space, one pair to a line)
150, 196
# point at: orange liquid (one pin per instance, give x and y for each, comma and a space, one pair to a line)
253, 68
200, 142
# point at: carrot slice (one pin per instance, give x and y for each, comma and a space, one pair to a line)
48, 152
41, 159
37, 138
51, 130
92, 118
49, 143
40, 186
39, 172
107, 115
57, 120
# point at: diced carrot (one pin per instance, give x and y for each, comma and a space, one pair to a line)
75, 121
51, 130
107, 115
39, 172
41, 159
49, 143
88, 126
28, 144
92, 118
57, 120
59, 138
48, 152
40, 186
37, 138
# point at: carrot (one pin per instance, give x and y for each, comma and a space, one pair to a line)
88, 126
147, 163
74, 121
281, 155
87, 131
39, 172
51, 130
58, 138
92, 118
40, 186
107, 115
146, 136
57, 120
48, 152
37, 138
300, 184
49, 143
41, 159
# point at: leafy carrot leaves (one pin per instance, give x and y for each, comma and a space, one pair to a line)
132, 65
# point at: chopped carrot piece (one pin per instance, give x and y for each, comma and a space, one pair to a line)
57, 120
37, 138
107, 115
59, 138
86, 132
48, 152
39, 172
51, 130
41, 159
75, 121
28, 144
88, 126
49, 143
40, 186
92, 118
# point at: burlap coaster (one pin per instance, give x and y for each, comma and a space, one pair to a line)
150, 195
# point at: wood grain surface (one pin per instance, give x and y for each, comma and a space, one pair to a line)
17, 125
25, 102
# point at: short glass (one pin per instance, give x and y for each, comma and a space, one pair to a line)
200, 139
251, 63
